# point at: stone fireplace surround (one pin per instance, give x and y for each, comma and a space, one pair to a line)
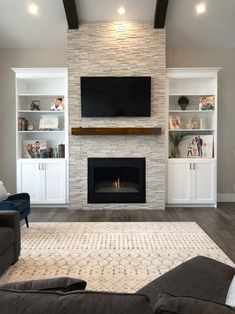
99, 49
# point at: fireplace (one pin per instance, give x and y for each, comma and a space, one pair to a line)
116, 180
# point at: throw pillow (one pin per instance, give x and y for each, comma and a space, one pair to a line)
3, 192
230, 299
168, 304
75, 302
64, 284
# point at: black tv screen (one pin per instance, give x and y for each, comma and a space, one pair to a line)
116, 96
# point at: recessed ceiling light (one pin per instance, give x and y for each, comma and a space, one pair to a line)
121, 11
200, 8
33, 9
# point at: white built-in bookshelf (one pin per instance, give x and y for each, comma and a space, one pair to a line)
42, 172
192, 168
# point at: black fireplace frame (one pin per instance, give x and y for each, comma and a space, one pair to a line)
122, 197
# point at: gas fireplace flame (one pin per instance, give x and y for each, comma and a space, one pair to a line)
117, 184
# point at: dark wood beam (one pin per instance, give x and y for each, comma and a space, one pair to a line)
160, 13
116, 131
71, 13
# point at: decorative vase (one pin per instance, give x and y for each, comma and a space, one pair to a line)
43, 153
183, 102
183, 106
30, 126
175, 153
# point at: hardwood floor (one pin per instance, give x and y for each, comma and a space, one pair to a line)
218, 223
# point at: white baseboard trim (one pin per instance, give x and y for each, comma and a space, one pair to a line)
50, 205
226, 197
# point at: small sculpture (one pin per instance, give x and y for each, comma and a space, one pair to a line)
183, 102
35, 105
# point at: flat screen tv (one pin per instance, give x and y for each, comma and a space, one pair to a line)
116, 96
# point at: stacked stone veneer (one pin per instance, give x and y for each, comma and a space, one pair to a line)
110, 49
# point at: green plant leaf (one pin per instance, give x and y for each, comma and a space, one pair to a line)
177, 137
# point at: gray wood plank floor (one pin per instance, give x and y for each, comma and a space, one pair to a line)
218, 223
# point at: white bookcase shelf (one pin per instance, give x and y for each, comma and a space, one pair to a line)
192, 171
191, 130
45, 179
41, 111
192, 111
40, 95
42, 131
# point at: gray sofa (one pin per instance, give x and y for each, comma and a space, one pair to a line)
9, 238
201, 281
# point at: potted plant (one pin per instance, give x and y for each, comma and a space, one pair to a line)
183, 102
176, 139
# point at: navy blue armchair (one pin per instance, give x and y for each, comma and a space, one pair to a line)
19, 202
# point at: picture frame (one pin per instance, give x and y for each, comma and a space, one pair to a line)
57, 104
49, 122
32, 148
174, 123
197, 146
206, 103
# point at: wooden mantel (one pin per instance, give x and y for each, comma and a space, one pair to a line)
116, 131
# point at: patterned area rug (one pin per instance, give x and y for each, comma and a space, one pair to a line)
109, 256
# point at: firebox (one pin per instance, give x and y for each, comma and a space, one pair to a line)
116, 180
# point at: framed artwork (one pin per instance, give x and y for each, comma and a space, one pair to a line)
207, 103
50, 122
174, 122
31, 148
57, 104
197, 146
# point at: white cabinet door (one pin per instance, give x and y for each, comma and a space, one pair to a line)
204, 182
55, 182
31, 180
179, 182
191, 182
44, 180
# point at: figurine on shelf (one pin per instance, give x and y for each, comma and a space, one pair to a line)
35, 105
30, 126
57, 104
183, 102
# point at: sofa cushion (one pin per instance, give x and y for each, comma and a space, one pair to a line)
64, 284
201, 277
3, 192
79, 302
20, 205
168, 304
7, 237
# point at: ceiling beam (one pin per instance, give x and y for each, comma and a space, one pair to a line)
160, 13
71, 13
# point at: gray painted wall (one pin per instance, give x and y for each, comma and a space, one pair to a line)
226, 109
8, 59
175, 58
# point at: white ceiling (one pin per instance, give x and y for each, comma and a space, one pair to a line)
106, 10
19, 29
214, 29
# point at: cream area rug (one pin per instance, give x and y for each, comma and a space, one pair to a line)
114, 256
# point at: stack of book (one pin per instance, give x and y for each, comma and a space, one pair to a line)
22, 124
